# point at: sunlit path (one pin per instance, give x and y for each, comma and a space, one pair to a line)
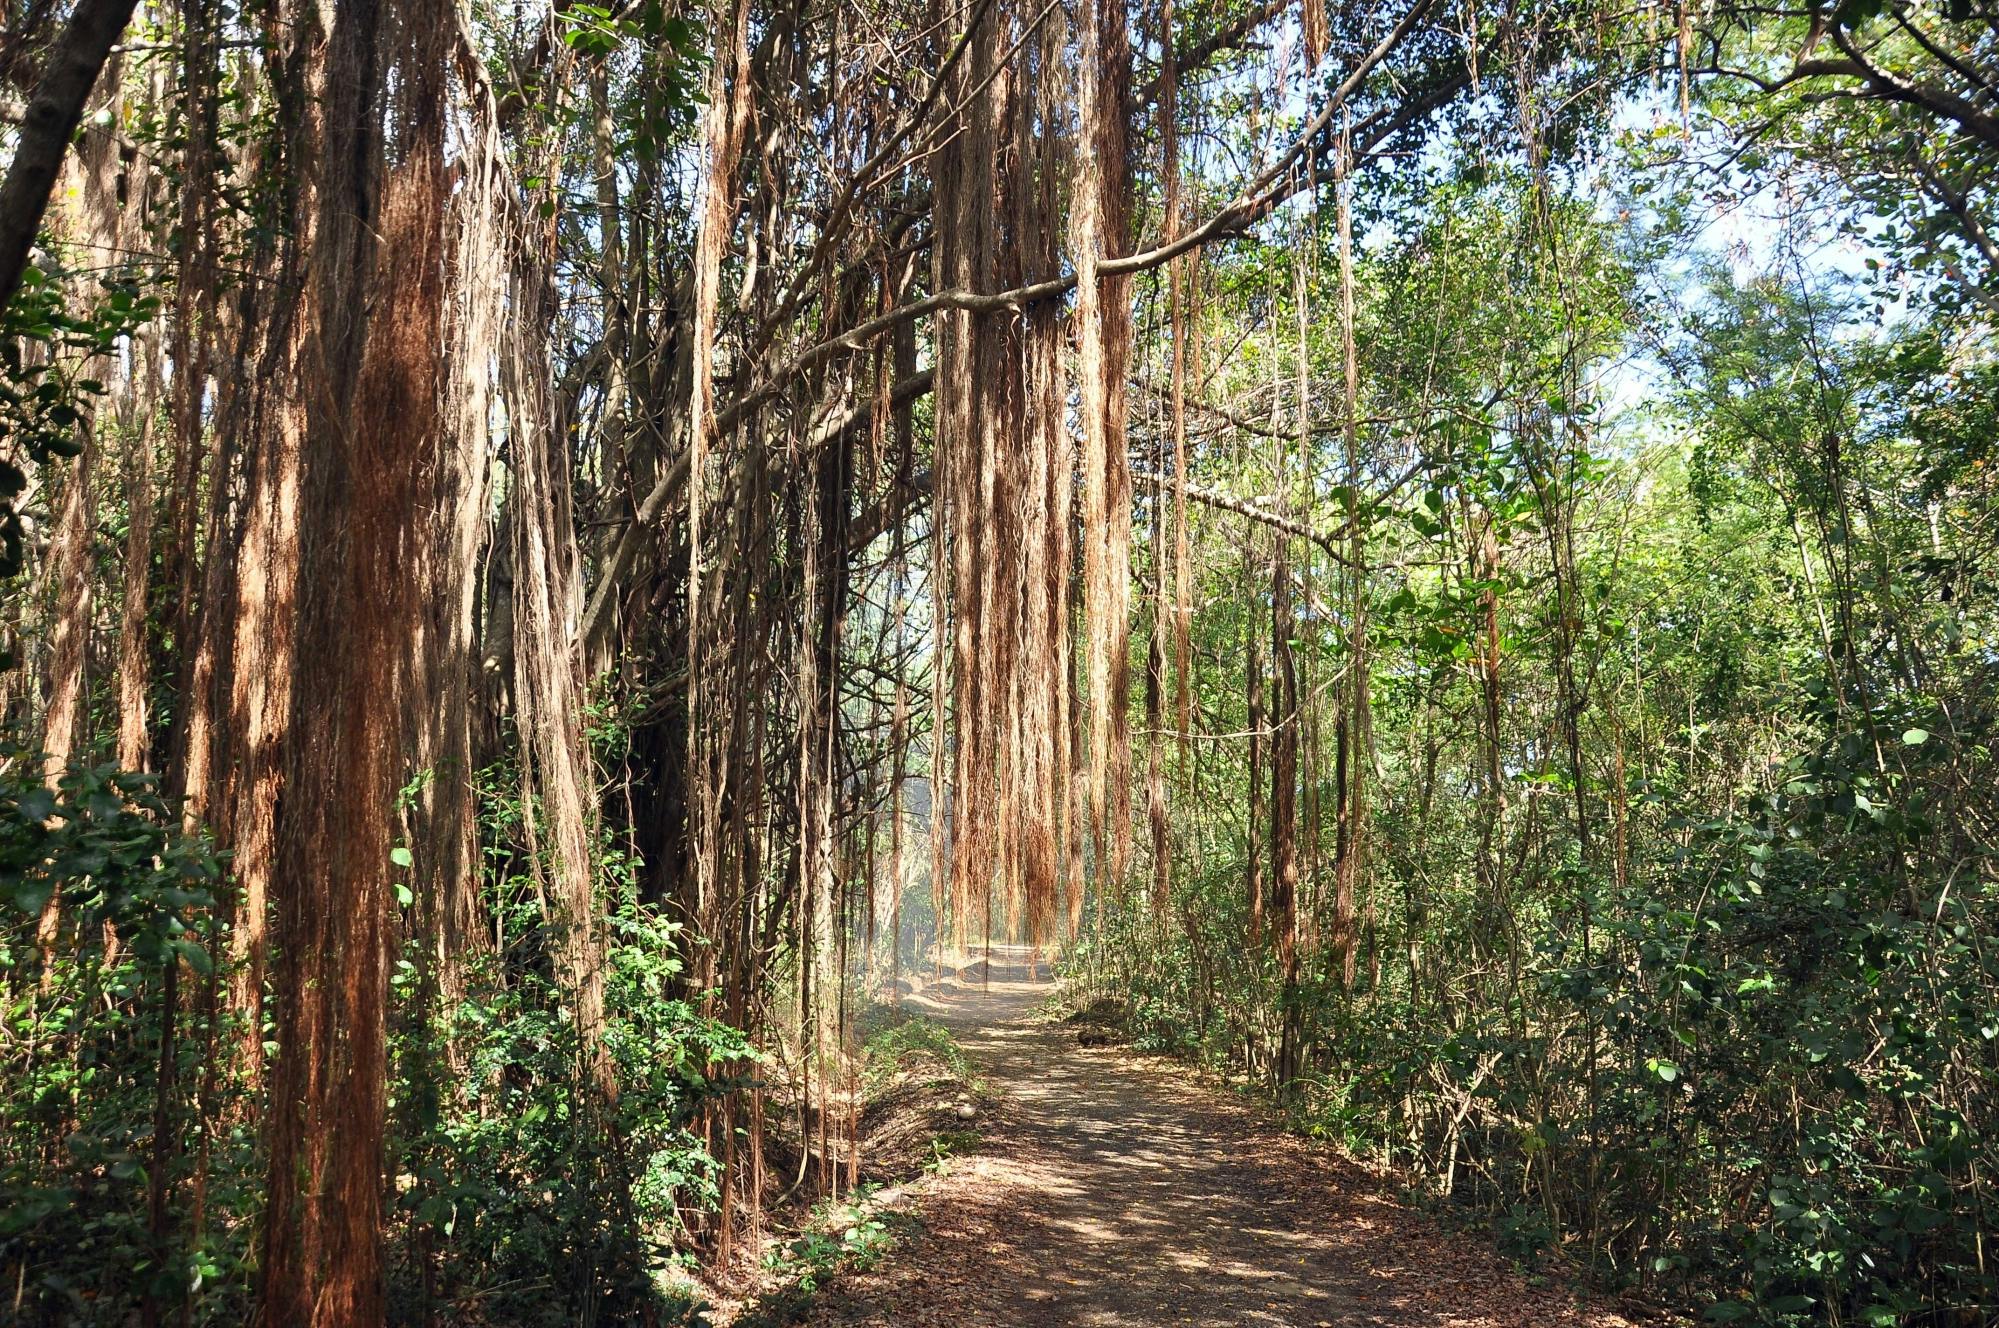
1112, 1191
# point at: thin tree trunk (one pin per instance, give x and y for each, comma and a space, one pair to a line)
62, 732
1284, 818
134, 657
1351, 759
1253, 855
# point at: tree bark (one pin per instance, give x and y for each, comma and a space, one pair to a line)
365, 385
48, 126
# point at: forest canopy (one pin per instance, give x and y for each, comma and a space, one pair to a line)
1443, 554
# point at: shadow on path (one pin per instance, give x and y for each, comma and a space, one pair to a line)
1115, 1191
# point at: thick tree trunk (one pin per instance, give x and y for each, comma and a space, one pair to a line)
258, 675
366, 391
1103, 322
441, 711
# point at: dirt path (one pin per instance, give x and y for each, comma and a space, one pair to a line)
1112, 1191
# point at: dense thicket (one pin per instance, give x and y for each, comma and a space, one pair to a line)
1444, 552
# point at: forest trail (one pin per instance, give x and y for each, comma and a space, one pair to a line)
1114, 1190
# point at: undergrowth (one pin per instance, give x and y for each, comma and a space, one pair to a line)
900, 1045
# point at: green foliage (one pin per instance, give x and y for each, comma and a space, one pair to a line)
135, 957
672, 47
516, 1186
1707, 1011
46, 356
903, 1044
519, 1187
1905, 175
838, 1235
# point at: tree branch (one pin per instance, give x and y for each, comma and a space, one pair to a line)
47, 127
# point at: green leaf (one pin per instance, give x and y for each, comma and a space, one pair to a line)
29, 895
197, 958
1915, 737
401, 856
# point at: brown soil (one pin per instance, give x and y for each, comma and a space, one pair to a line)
1113, 1190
